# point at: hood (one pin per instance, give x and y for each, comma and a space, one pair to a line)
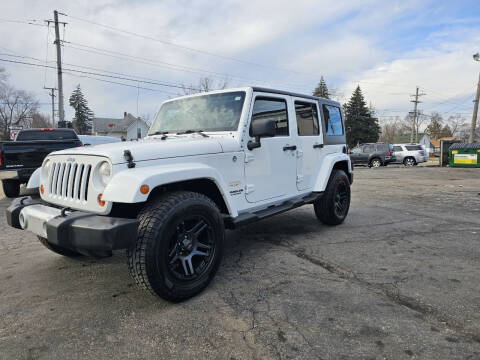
155, 148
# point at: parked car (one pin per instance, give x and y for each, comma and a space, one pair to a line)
210, 161
410, 154
90, 140
372, 154
20, 158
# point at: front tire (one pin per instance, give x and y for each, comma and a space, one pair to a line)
332, 208
58, 249
11, 188
179, 246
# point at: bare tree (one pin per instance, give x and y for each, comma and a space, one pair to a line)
16, 109
456, 123
205, 84
390, 130
40, 120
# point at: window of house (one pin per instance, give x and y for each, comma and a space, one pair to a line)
307, 118
333, 120
275, 109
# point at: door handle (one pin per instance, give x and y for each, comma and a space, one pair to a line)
291, 147
318, 146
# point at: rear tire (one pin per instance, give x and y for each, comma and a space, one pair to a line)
409, 161
375, 162
58, 249
332, 207
179, 246
11, 188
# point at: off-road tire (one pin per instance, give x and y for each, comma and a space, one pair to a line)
325, 207
147, 256
374, 162
58, 249
11, 188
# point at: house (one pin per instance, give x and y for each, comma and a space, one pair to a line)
427, 144
129, 127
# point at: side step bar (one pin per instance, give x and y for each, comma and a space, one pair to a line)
247, 218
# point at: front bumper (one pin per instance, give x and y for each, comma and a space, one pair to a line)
83, 232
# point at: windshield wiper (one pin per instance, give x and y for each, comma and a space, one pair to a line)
192, 132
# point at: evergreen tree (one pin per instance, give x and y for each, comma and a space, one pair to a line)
82, 121
322, 90
360, 125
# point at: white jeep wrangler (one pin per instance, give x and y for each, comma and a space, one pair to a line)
210, 161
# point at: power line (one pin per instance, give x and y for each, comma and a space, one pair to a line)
103, 75
183, 47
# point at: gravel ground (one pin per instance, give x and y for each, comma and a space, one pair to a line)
398, 280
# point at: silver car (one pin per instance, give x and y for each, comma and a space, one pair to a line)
409, 154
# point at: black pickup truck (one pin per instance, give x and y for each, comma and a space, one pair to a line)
20, 158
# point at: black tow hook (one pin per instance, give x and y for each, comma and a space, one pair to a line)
128, 156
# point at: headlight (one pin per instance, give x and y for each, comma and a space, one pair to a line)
105, 172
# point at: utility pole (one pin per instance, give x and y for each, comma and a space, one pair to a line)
415, 114
61, 112
52, 95
471, 139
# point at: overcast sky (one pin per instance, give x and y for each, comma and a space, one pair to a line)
387, 47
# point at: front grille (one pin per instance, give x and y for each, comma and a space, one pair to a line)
69, 180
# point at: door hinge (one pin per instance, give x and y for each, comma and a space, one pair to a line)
249, 188
299, 153
299, 178
249, 157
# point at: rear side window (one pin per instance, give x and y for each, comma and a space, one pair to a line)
56, 134
333, 120
272, 108
382, 147
413, 147
368, 149
397, 148
307, 118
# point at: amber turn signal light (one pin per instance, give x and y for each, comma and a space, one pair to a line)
100, 201
42, 189
144, 189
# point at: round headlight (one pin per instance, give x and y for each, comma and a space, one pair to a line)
105, 172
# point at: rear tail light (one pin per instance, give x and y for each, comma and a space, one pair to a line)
422, 152
1, 159
389, 153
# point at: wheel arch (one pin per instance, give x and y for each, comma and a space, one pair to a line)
330, 162
193, 177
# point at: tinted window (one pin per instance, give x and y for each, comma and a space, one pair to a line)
413, 147
307, 118
333, 120
275, 109
368, 149
382, 147
55, 134
397, 148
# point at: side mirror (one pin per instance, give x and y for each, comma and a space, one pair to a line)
261, 128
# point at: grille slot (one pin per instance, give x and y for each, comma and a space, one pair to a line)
69, 180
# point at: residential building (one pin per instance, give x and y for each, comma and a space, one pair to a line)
129, 127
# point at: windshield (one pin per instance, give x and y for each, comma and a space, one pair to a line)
215, 112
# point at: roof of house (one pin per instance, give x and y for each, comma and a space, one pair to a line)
114, 125
436, 142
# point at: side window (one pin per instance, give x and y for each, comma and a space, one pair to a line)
307, 118
397, 148
368, 149
356, 150
272, 108
333, 120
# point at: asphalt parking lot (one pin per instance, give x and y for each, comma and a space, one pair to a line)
398, 280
